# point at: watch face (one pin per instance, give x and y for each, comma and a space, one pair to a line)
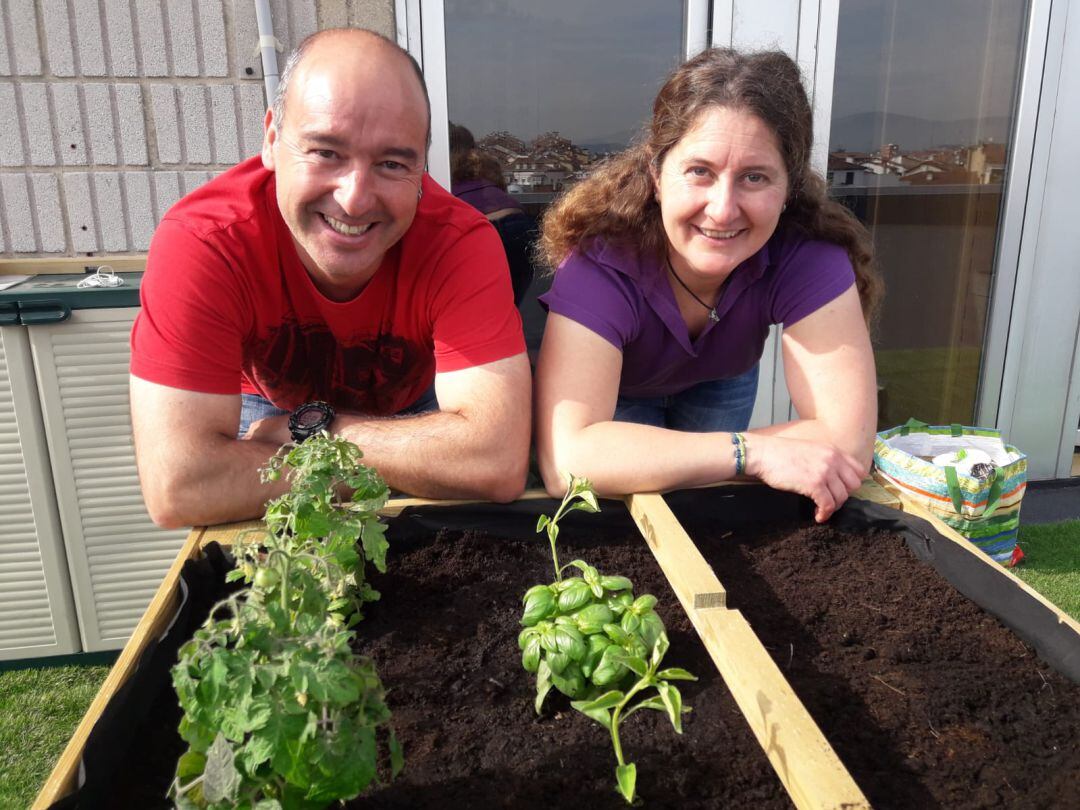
310, 417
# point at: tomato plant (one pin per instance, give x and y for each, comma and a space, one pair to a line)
278, 711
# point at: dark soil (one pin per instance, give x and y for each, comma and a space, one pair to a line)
444, 637
928, 700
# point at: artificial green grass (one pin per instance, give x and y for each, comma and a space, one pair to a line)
936, 385
1052, 562
39, 710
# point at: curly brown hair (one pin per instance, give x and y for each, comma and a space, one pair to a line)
616, 201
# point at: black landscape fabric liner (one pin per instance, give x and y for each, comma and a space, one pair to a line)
203, 582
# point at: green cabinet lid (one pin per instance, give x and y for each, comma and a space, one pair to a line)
63, 289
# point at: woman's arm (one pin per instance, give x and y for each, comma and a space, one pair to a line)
829, 367
576, 387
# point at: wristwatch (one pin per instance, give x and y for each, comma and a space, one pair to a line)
309, 419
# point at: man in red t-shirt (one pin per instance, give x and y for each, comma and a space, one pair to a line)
330, 269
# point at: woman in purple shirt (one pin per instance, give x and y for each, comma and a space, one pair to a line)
674, 258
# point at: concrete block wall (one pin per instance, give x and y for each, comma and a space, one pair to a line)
111, 110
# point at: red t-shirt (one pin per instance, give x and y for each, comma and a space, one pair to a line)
227, 306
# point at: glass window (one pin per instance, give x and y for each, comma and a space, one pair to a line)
544, 90
923, 107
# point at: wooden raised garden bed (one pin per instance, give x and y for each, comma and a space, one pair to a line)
443, 640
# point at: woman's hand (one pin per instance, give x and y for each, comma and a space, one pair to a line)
817, 470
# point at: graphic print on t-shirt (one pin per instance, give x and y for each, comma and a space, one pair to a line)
297, 363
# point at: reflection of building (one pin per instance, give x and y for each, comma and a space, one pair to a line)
548, 164
987, 162
983, 164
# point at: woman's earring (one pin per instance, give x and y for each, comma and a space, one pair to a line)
783, 208
420, 192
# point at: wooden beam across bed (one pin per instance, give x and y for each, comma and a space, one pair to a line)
807, 765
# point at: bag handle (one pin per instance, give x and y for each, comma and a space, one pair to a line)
912, 424
993, 498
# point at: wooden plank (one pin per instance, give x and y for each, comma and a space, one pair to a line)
872, 491
912, 507
62, 780
226, 534
690, 576
807, 765
121, 263
394, 507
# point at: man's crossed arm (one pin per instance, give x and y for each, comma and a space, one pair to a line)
194, 471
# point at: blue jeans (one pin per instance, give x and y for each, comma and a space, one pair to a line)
254, 407
711, 406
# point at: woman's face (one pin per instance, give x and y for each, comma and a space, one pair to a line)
721, 189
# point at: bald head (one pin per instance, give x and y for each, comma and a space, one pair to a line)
346, 46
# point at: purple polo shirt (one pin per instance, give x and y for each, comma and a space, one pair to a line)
483, 195
626, 299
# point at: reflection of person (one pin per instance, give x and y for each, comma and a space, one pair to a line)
332, 269
674, 258
477, 179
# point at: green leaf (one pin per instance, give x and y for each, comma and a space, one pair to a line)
654, 703
557, 661
659, 650
616, 583
608, 700
626, 777
373, 537
190, 765
543, 684
673, 703
576, 595
632, 662
587, 571
651, 628
592, 618
397, 756
571, 681
675, 674
616, 633
539, 604
601, 716
609, 669
530, 658
570, 641
221, 780
644, 602
542, 523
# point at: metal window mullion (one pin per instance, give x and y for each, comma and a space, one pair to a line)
1014, 263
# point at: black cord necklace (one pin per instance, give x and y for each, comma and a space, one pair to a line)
712, 310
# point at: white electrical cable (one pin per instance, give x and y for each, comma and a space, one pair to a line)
104, 276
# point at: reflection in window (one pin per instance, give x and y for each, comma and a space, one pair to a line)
543, 91
922, 114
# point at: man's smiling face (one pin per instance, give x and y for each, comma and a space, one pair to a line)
348, 156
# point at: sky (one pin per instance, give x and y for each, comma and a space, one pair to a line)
590, 68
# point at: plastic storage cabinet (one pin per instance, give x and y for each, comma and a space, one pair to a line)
76, 342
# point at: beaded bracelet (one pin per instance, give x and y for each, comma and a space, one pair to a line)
739, 443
